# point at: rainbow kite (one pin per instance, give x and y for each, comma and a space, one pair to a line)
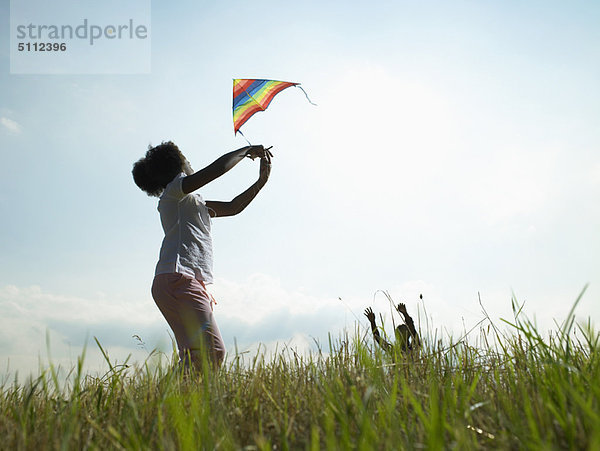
251, 96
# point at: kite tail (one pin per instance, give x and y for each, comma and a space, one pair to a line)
307, 98
240, 132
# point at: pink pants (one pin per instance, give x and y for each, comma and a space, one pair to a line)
186, 305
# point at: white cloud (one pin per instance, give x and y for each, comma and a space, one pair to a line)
258, 313
261, 310
38, 304
10, 125
258, 310
28, 315
261, 295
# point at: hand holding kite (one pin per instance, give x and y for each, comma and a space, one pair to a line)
258, 151
254, 151
265, 167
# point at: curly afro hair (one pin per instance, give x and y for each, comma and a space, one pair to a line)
160, 165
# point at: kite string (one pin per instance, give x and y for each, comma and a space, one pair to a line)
240, 132
307, 98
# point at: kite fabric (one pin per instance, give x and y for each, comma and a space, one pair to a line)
252, 95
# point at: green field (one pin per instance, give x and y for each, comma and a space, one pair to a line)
500, 386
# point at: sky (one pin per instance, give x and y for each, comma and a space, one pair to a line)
454, 153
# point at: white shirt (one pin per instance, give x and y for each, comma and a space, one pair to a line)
187, 246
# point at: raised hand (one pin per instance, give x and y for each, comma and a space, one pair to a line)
265, 166
370, 315
258, 151
401, 308
255, 151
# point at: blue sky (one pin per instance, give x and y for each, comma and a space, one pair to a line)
454, 151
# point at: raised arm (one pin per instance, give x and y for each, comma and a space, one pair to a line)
409, 323
376, 336
239, 203
218, 167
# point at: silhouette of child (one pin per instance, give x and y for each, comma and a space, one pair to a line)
406, 334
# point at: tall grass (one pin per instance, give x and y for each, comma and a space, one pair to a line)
501, 389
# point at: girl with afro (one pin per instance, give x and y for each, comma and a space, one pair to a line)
184, 266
